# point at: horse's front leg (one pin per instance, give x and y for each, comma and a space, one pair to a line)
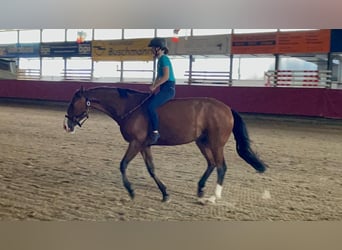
133, 149
147, 155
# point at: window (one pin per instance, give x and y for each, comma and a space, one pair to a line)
138, 33
292, 63
180, 64
8, 37
240, 31
52, 67
73, 33
295, 29
79, 63
205, 32
138, 71
165, 33
29, 36
53, 35
107, 34
29, 63
211, 64
104, 69
251, 68
184, 32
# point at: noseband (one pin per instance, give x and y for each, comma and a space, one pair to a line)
80, 119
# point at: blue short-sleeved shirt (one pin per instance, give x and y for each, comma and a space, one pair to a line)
164, 61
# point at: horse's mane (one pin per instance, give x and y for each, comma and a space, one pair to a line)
123, 92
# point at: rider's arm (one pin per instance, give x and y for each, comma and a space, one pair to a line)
159, 81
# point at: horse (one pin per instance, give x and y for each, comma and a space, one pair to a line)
206, 121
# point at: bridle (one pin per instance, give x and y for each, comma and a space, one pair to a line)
81, 118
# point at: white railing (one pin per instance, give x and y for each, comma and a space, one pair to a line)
77, 74
202, 77
298, 78
29, 74
68, 75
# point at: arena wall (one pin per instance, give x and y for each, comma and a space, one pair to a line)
317, 102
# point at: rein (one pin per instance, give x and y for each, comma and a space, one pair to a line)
80, 119
135, 108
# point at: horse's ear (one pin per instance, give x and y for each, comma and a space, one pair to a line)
82, 89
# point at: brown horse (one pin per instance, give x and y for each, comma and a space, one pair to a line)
206, 121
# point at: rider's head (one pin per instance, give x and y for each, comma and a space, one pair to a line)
158, 45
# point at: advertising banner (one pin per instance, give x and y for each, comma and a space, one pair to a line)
336, 38
300, 42
259, 43
200, 45
22, 50
313, 41
65, 49
122, 50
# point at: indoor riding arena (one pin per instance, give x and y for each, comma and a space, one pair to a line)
47, 174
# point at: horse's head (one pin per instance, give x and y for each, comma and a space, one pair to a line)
77, 112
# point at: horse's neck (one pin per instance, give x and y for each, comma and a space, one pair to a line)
110, 102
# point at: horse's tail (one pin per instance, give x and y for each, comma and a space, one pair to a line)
243, 144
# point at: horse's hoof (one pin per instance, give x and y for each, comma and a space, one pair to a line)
166, 199
204, 201
212, 199
200, 194
132, 195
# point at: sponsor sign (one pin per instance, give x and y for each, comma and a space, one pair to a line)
200, 45
122, 50
300, 42
336, 38
315, 41
22, 50
65, 49
263, 43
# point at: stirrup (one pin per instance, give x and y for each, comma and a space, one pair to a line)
154, 138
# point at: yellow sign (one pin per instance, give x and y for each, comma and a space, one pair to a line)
122, 50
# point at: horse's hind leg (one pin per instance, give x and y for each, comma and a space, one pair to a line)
147, 155
207, 153
132, 151
215, 158
221, 168
221, 172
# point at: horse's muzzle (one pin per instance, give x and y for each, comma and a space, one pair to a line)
68, 126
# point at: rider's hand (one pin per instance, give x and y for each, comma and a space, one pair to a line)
153, 88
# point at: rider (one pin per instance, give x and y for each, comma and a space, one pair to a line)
165, 79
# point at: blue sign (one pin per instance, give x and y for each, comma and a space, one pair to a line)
336, 38
65, 49
19, 50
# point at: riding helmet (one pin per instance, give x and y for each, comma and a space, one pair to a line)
157, 42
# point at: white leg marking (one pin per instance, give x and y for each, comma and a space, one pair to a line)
218, 191
212, 199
